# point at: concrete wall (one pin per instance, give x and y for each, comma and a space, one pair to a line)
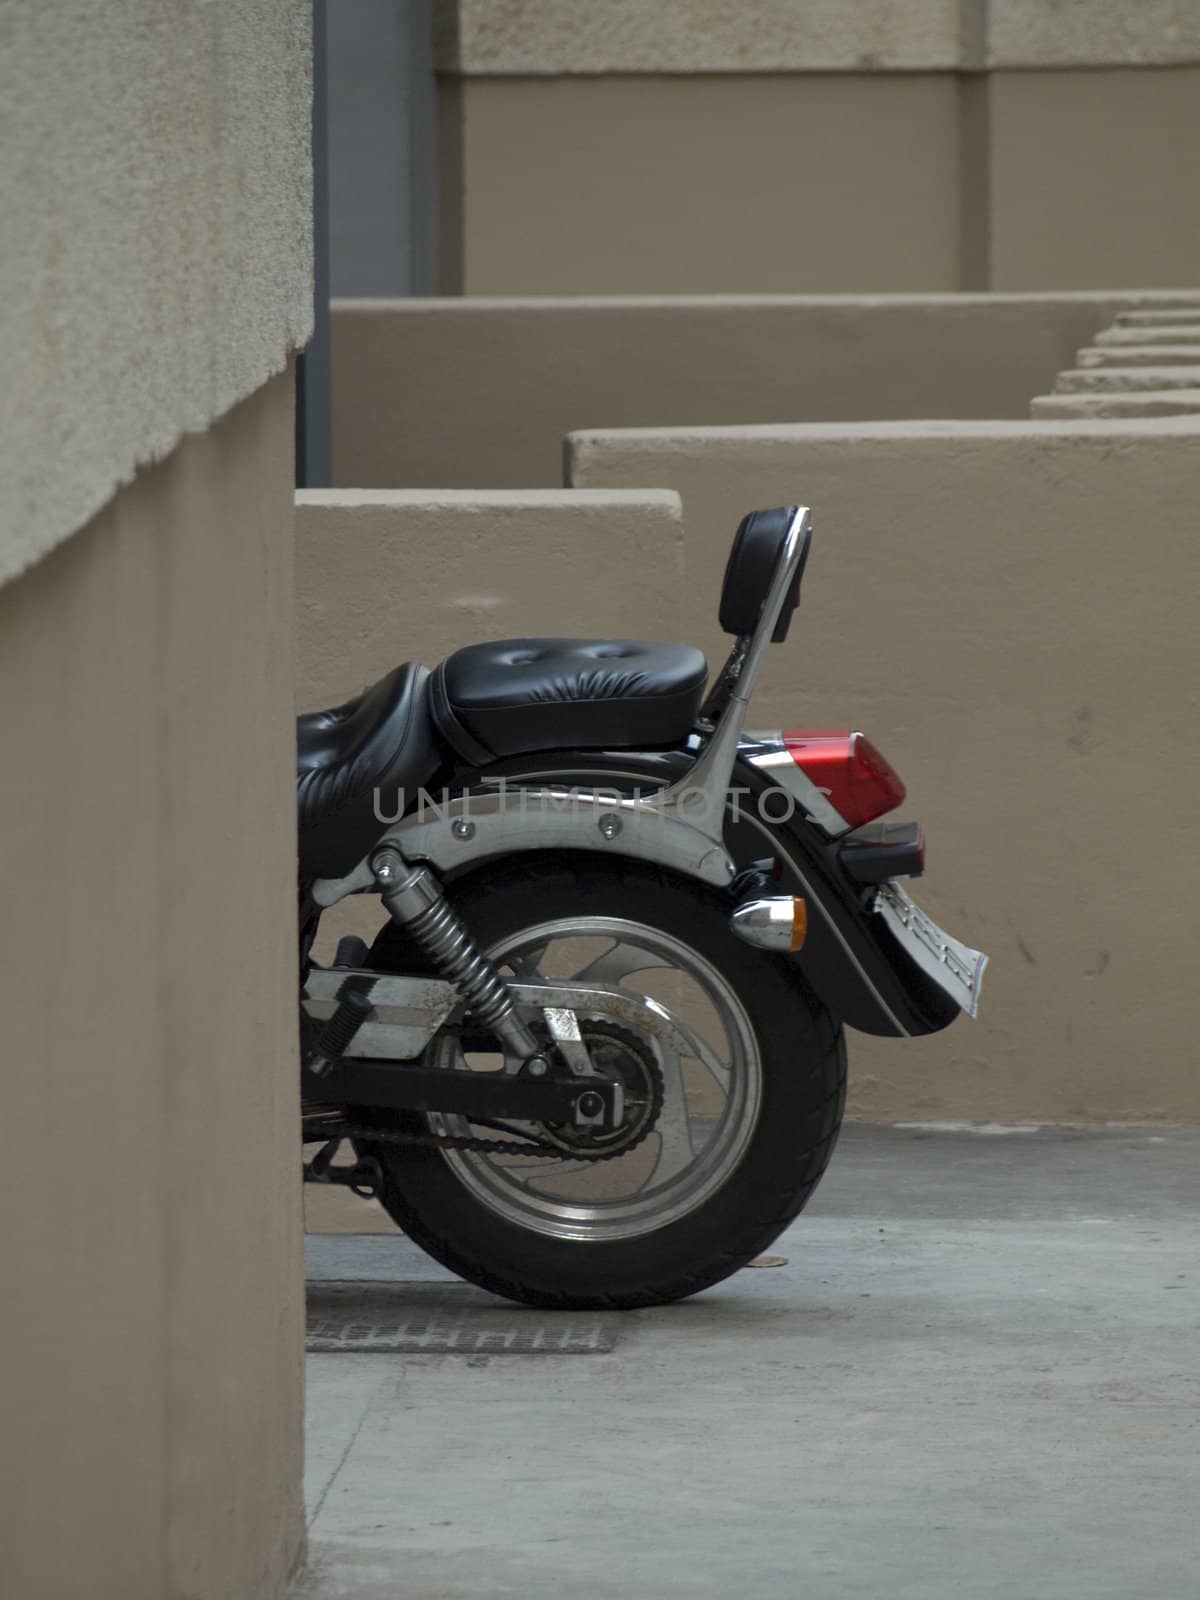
389, 576
478, 393
157, 260
155, 281
555, 37
697, 147
999, 605
700, 185
1089, 176
1137, 343
152, 1340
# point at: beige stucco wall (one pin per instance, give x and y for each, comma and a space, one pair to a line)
478, 393
157, 263
698, 147
700, 185
847, 182
999, 605
1092, 177
389, 576
151, 1344
1079, 33
525, 37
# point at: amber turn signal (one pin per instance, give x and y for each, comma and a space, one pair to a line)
776, 922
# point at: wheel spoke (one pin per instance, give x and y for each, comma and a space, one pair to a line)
527, 967
548, 1169
616, 964
675, 1148
691, 1044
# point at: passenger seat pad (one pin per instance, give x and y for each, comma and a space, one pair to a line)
519, 695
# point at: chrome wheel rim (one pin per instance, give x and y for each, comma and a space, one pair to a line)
712, 1088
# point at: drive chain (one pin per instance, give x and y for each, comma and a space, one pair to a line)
526, 1145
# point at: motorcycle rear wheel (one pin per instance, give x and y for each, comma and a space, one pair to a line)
749, 1118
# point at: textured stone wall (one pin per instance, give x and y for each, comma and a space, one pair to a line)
483, 38
150, 1216
387, 576
479, 393
157, 237
924, 145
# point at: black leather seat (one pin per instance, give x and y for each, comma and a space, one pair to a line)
382, 739
519, 695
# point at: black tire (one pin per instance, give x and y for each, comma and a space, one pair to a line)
803, 1080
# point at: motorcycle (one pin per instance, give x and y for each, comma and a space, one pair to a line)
595, 1056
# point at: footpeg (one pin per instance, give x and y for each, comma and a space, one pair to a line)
365, 1177
353, 1009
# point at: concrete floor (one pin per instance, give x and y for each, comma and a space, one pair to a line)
977, 1375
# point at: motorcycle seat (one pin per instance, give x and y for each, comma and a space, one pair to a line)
518, 695
382, 739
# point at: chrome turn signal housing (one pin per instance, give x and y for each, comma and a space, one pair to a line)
779, 922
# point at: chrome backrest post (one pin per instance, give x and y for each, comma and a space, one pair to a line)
702, 793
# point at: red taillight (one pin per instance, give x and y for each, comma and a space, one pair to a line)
857, 781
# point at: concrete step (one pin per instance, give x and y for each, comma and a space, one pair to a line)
1149, 333
1139, 355
1115, 379
1146, 403
1149, 319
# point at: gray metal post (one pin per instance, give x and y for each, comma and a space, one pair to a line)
313, 457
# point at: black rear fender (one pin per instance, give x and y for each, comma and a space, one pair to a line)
850, 960
849, 957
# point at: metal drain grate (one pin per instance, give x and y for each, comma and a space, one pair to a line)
438, 1319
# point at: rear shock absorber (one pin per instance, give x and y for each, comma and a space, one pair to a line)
413, 897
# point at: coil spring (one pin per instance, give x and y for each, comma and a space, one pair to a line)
443, 937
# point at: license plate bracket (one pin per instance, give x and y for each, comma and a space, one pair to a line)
954, 967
